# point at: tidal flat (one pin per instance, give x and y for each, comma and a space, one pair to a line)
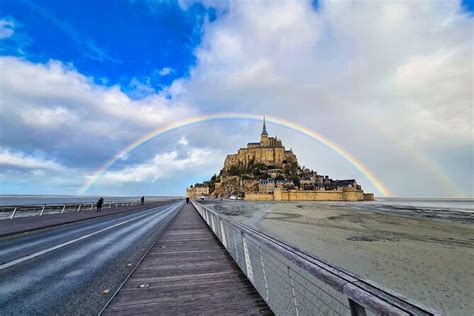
424, 254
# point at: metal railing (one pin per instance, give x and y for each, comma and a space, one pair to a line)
14, 211
293, 282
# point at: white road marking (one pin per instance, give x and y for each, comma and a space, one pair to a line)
39, 253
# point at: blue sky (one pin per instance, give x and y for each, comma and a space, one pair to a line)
114, 42
391, 82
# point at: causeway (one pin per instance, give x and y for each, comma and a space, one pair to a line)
187, 271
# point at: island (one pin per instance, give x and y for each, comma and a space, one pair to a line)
267, 171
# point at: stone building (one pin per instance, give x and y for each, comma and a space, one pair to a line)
268, 185
267, 171
269, 151
198, 190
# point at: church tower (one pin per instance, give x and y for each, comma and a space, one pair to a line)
264, 141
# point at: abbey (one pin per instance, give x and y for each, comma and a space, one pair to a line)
269, 151
267, 171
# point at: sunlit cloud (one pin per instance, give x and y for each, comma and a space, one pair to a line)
162, 166
165, 71
7, 28
21, 160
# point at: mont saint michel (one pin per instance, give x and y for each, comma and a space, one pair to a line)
267, 171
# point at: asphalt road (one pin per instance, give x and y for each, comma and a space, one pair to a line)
64, 270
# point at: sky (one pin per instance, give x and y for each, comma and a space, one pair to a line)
82, 83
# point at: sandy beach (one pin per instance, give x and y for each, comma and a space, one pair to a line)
424, 254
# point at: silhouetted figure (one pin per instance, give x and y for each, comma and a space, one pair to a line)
187, 200
142, 200
99, 204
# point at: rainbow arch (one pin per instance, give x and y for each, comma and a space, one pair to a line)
221, 116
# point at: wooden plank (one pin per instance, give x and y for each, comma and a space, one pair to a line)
188, 272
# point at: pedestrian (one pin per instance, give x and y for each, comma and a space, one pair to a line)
99, 204
187, 200
142, 200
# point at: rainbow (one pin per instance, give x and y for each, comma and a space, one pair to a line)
222, 116
422, 160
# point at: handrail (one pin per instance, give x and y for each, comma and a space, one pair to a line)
83, 202
27, 210
255, 252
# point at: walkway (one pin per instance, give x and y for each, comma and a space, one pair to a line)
27, 224
188, 271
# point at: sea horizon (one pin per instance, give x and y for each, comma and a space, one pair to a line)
401, 203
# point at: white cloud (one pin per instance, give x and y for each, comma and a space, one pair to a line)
60, 86
20, 160
49, 117
354, 71
162, 166
183, 141
38, 172
165, 71
7, 28
53, 100
400, 58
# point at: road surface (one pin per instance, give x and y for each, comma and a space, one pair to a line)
65, 269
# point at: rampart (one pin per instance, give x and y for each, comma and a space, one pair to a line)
346, 194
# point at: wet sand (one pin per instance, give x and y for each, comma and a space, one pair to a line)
425, 255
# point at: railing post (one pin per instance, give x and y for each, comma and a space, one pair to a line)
293, 292
64, 208
42, 210
248, 263
264, 275
224, 239
236, 249
356, 309
13, 213
79, 208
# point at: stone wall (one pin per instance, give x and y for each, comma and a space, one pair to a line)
255, 196
348, 194
368, 196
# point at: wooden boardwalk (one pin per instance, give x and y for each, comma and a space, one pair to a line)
188, 271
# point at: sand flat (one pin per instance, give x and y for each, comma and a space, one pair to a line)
425, 256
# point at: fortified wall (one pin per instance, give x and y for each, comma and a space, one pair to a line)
346, 194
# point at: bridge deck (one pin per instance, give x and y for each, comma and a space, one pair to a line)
188, 271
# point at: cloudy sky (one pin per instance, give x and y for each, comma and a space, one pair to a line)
390, 82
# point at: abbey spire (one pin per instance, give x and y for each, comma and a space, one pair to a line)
264, 131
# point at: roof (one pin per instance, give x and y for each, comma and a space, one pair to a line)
264, 131
348, 181
201, 185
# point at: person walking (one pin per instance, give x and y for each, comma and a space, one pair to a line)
99, 204
187, 200
142, 199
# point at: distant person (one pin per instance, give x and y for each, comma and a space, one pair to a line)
142, 199
187, 200
99, 204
